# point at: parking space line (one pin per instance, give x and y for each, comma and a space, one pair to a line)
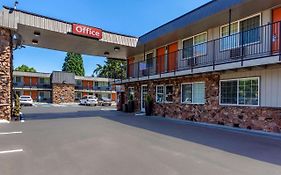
11, 151
10, 133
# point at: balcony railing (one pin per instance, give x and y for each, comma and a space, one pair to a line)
41, 86
256, 43
96, 88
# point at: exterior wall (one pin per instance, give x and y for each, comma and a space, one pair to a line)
270, 83
63, 93
257, 118
6, 56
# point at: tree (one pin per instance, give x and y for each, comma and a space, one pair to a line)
111, 69
25, 68
73, 63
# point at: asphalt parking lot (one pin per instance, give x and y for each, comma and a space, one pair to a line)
71, 140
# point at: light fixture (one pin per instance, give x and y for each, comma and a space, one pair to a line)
106, 53
37, 33
35, 42
116, 49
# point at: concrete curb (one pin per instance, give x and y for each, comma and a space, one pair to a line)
4, 121
264, 134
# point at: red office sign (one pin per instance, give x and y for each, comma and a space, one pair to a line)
83, 30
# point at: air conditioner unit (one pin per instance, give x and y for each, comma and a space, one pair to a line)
235, 53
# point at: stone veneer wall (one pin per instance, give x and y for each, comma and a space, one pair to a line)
257, 118
6, 55
63, 93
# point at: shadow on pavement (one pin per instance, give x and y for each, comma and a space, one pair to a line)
254, 147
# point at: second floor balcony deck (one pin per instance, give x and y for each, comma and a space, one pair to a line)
258, 46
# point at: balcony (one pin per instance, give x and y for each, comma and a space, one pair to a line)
95, 88
258, 46
29, 86
102, 88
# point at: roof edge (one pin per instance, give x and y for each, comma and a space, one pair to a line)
63, 21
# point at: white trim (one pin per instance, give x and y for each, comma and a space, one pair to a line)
191, 83
238, 79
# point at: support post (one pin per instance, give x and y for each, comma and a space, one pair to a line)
6, 57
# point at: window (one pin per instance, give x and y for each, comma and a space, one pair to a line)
229, 41
164, 94
193, 93
250, 30
169, 93
160, 94
78, 82
195, 46
18, 79
249, 33
240, 92
41, 80
149, 60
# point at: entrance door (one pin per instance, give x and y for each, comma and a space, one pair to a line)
160, 60
172, 56
276, 18
144, 92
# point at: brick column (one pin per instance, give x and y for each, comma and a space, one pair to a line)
63, 93
6, 55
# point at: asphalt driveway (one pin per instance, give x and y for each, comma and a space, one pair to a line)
100, 141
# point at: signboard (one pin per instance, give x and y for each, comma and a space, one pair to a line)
83, 30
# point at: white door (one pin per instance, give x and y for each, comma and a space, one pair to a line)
144, 91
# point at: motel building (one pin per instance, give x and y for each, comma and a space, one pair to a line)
219, 63
43, 87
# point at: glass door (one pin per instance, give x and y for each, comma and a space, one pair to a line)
144, 92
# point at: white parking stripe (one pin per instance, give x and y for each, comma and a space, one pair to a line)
11, 151
10, 133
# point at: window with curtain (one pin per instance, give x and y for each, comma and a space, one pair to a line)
229, 41
169, 93
250, 30
195, 46
193, 93
242, 32
160, 95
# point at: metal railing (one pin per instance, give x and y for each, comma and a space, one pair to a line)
256, 43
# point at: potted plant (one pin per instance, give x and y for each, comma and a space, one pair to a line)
131, 104
148, 105
125, 107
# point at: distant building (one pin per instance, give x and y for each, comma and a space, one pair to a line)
59, 87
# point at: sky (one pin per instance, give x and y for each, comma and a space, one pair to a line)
131, 17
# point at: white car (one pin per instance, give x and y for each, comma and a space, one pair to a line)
89, 100
26, 100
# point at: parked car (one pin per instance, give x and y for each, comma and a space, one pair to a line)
89, 100
26, 100
103, 101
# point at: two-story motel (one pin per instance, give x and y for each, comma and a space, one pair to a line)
219, 63
42, 86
